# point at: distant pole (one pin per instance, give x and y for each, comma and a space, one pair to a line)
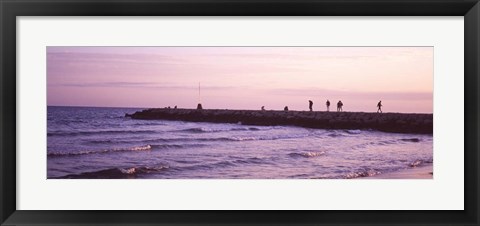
199, 105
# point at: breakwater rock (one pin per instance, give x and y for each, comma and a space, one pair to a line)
385, 122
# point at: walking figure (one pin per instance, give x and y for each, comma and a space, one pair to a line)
379, 105
328, 105
310, 105
339, 106
263, 108
285, 108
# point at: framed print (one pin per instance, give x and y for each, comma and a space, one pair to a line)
309, 112
220, 138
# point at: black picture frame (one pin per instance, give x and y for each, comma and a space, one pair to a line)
10, 9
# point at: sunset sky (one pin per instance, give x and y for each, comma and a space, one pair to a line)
242, 77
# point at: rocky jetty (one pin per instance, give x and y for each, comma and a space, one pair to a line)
385, 122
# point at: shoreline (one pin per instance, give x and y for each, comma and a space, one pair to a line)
385, 122
419, 172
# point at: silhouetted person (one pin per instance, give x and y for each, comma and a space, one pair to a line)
379, 105
263, 108
285, 108
328, 105
339, 106
310, 105
199, 107
175, 107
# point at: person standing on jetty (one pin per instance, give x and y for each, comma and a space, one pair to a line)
310, 105
379, 105
339, 106
328, 105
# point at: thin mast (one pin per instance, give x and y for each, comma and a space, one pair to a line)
199, 105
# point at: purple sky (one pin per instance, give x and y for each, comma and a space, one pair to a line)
242, 77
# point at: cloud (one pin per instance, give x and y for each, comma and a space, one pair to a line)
142, 85
102, 58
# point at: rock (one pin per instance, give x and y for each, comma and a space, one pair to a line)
386, 122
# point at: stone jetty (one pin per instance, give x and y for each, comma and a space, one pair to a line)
385, 122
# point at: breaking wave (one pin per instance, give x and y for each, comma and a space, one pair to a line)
356, 131
138, 148
60, 133
116, 173
362, 173
188, 139
420, 162
308, 154
211, 130
199, 130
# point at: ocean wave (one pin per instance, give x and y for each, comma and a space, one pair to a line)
416, 163
246, 129
212, 130
335, 135
60, 133
87, 152
208, 166
237, 138
355, 131
362, 173
106, 141
415, 140
253, 160
176, 146
280, 137
169, 140
116, 173
200, 130
223, 164
420, 162
186, 139
137, 148
343, 133
385, 143
210, 139
148, 123
307, 154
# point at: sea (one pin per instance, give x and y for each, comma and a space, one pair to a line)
101, 143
